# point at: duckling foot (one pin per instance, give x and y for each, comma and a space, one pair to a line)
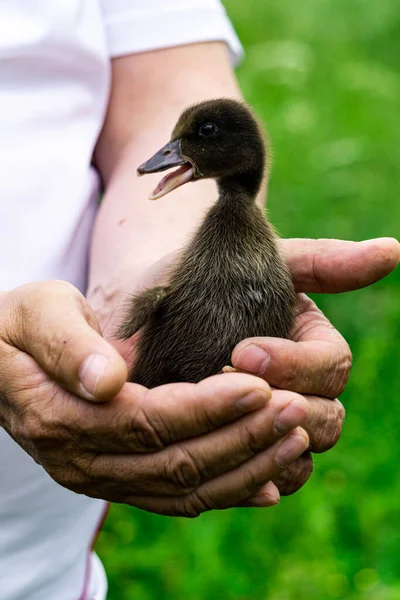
229, 369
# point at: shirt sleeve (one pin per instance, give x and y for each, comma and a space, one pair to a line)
141, 25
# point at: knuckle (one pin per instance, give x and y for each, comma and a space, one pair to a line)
28, 303
342, 373
32, 294
38, 428
251, 441
78, 472
58, 287
192, 506
60, 467
181, 471
69, 477
32, 429
332, 371
291, 479
145, 432
209, 422
188, 511
254, 479
327, 436
40, 432
83, 465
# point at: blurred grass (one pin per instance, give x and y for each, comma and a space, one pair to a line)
325, 78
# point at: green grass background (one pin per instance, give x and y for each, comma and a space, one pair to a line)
325, 78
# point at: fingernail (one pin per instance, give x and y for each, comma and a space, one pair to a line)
290, 417
290, 449
252, 401
91, 372
264, 500
252, 359
379, 239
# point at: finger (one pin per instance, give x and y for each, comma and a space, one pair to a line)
53, 323
323, 265
324, 426
231, 488
143, 421
324, 423
181, 468
318, 361
188, 410
267, 496
291, 479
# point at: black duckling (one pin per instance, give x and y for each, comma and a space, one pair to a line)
230, 282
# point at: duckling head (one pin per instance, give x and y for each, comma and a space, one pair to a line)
217, 139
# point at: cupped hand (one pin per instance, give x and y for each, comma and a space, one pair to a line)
316, 361
179, 449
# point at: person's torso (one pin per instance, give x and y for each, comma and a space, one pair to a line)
54, 84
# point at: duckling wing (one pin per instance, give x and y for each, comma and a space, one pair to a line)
141, 308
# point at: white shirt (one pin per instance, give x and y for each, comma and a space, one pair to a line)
54, 86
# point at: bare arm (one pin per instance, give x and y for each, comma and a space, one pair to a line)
131, 234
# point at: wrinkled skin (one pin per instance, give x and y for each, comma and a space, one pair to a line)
179, 449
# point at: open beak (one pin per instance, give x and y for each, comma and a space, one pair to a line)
169, 156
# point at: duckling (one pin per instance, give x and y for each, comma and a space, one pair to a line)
230, 282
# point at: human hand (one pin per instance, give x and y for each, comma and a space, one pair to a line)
179, 449
316, 361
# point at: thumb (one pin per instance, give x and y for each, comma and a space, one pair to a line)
52, 322
333, 266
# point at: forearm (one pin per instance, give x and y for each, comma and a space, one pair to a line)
131, 233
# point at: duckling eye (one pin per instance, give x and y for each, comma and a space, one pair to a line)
207, 130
